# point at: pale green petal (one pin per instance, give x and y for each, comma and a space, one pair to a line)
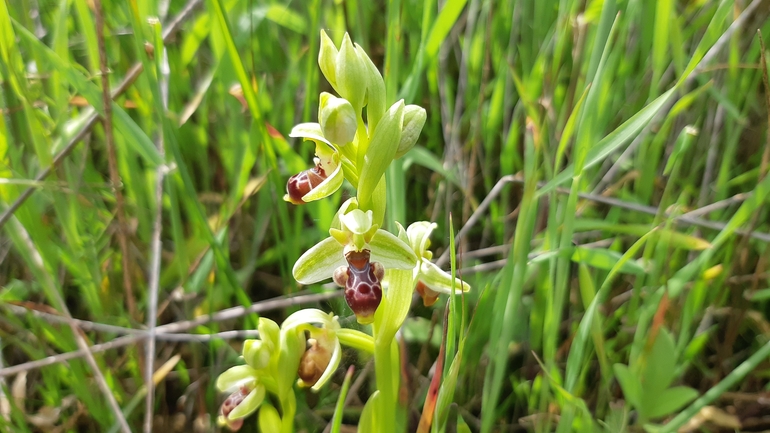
347, 206
402, 233
334, 362
419, 236
249, 404
236, 377
310, 315
391, 251
438, 280
357, 221
326, 188
319, 262
310, 131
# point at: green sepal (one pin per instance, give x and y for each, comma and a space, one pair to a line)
256, 354
269, 332
438, 280
391, 251
329, 186
319, 262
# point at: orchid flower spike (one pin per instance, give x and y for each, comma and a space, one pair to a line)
356, 255
430, 279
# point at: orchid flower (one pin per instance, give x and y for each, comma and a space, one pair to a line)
430, 279
356, 254
247, 392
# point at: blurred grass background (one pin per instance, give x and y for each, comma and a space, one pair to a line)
605, 163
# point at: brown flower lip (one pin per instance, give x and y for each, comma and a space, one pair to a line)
361, 280
303, 182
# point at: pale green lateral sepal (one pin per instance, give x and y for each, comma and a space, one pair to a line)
438, 280
380, 153
235, 377
319, 262
249, 404
391, 251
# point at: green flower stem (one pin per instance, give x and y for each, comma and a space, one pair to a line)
387, 376
289, 410
363, 141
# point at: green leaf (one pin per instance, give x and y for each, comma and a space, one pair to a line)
629, 383
605, 259
134, 135
669, 401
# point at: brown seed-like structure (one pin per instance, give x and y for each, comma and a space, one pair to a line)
231, 403
361, 280
313, 362
304, 182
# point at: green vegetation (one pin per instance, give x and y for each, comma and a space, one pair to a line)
597, 171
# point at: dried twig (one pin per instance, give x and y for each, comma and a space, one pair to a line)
165, 332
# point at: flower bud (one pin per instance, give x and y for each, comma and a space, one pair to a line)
327, 59
269, 333
313, 362
256, 353
351, 74
414, 120
337, 118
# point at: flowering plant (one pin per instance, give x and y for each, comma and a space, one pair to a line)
358, 255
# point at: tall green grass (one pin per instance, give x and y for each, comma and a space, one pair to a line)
591, 112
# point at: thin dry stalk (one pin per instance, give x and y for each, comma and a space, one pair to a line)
112, 161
